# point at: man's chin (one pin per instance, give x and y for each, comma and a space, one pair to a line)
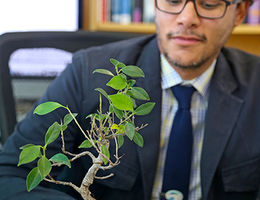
183, 63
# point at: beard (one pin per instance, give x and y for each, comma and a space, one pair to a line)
179, 62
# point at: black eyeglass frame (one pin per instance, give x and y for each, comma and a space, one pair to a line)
228, 3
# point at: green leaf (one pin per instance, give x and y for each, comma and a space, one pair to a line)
120, 140
29, 154
85, 144
139, 93
117, 83
103, 71
121, 128
44, 166
103, 92
131, 82
47, 107
121, 102
64, 127
105, 151
101, 117
121, 65
144, 109
138, 139
119, 113
61, 159
33, 179
114, 127
114, 61
130, 130
27, 145
90, 115
52, 133
68, 118
133, 71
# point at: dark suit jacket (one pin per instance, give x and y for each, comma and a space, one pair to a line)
230, 165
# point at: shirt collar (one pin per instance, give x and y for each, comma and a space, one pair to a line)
171, 78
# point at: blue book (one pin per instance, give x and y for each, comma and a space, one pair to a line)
126, 10
115, 11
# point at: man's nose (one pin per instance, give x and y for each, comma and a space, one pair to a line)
188, 17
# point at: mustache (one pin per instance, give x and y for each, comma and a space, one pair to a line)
186, 33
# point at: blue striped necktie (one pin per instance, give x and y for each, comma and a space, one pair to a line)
178, 158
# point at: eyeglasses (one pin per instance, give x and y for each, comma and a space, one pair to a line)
209, 9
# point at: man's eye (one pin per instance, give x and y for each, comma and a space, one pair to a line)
174, 2
209, 4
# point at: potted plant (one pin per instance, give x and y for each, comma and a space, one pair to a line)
106, 127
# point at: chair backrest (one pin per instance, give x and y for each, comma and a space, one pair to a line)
68, 41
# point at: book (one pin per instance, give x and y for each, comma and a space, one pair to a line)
125, 11
115, 11
137, 11
254, 13
148, 11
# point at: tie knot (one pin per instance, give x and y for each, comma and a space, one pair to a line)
183, 95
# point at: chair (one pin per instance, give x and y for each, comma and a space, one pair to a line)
68, 41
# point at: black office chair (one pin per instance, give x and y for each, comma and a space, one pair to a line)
68, 41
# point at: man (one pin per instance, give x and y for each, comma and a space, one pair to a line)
188, 50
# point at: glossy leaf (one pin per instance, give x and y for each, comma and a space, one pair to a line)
120, 140
117, 83
61, 159
121, 65
117, 63
114, 127
90, 115
133, 71
121, 128
52, 133
46, 108
105, 151
130, 130
121, 102
144, 109
103, 71
27, 145
114, 61
44, 166
64, 127
68, 118
118, 113
103, 92
29, 154
138, 139
139, 93
131, 82
85, 144
33, 179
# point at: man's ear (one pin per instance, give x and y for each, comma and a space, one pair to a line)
241, 12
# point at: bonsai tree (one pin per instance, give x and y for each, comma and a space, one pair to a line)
105, 127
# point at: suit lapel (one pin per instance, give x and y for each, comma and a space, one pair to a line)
150, 62
222, 114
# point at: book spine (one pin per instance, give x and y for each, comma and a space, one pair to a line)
254, 13
125, 8
137, 11
108, 11
104, 11
148, 11
115, 11
99, 11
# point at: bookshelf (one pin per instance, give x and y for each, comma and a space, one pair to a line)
245, 37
